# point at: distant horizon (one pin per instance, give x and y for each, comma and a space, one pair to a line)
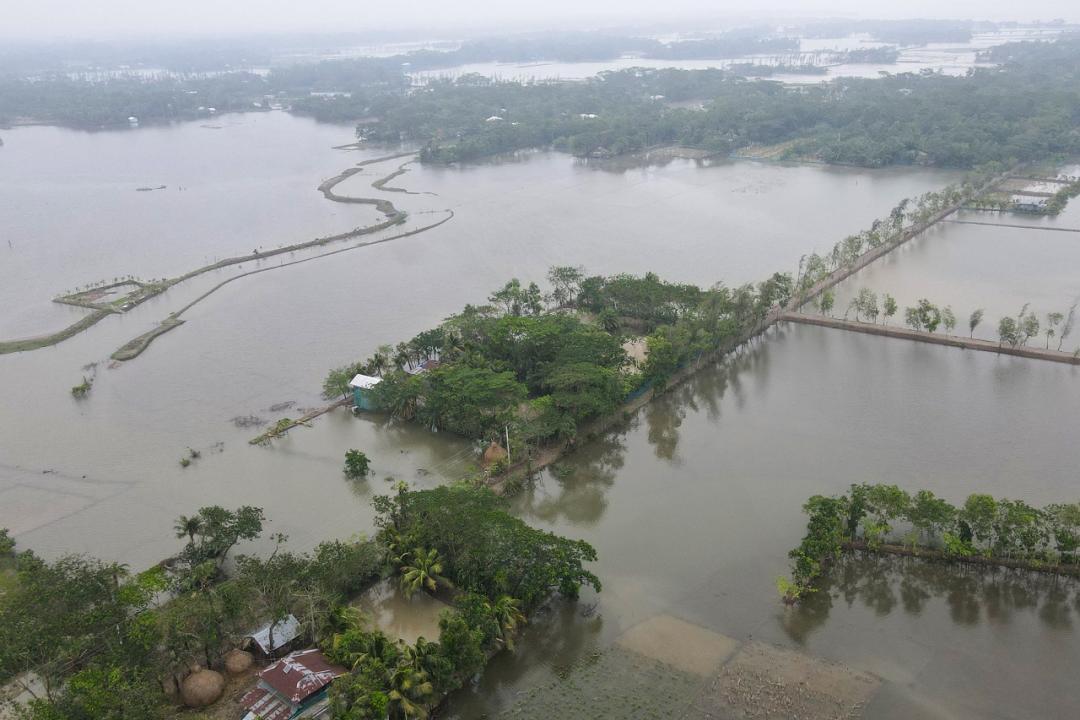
129, 20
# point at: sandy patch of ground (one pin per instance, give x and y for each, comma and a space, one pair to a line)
763, 681
688, 647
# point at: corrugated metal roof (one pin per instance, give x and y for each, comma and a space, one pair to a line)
265, 705
285, 631
301, 674
364, 382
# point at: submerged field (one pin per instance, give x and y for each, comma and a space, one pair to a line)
692, 505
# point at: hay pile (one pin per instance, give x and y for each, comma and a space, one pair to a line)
202, 688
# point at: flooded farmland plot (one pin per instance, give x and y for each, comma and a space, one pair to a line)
998, 268
693, 506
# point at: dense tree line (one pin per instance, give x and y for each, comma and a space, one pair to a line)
1017, 112
982, 527
62, 100
1020, 111
542, 364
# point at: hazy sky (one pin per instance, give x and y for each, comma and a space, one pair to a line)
30, 19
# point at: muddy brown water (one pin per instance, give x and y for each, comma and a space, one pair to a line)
692, 507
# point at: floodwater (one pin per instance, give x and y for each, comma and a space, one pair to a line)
693, 506
72, 213
999, 268
270, 338
946, 58
400, 617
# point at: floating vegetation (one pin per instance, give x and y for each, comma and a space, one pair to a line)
83, 389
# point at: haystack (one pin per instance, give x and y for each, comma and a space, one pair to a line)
493, 454
202, 688
238, 661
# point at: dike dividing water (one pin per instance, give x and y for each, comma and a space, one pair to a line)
965, 343
843, 273
387, 208
133, 348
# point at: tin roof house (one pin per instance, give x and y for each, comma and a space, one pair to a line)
293, 687
273, 640
361, 386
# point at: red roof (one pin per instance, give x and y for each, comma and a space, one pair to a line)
301, 674
265, 705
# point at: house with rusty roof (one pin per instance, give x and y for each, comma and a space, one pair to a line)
293, 687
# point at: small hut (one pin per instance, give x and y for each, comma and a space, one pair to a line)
362, 385
268, 645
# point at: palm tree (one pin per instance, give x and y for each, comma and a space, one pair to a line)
507, 612
395, 542
424, 572
188, 527
410, 692
421, 655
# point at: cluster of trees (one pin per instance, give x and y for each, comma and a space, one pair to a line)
91, 640
544, 363
1018, 331
983, 527
458, 542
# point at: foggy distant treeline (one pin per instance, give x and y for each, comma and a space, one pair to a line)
1028, 109
215, 54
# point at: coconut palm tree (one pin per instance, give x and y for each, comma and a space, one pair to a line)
188, 527
410, 692
421, 656
423, 571
507, 612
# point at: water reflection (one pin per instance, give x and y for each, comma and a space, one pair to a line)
973, 595
576, 489
558, 635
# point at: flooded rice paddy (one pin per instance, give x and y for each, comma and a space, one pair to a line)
692, 505
998, 267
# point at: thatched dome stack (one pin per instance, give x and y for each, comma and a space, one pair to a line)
493, 454
238, 662
202, 688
